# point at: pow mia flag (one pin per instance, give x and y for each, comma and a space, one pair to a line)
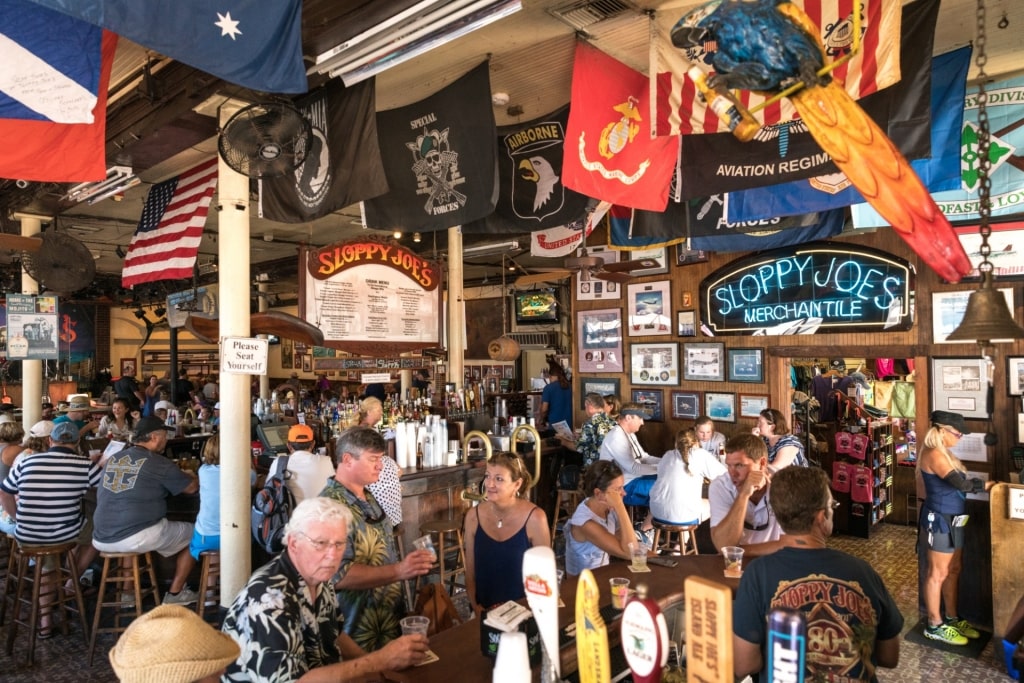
531, 194
439, 159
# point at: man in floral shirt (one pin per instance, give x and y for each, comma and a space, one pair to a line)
284, 618
597, 425
369, 581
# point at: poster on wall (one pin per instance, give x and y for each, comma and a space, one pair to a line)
600, 340
32, 324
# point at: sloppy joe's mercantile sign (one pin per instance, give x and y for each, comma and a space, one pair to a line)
816, 287
371, 296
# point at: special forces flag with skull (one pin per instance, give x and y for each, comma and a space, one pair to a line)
439, 159
531, 195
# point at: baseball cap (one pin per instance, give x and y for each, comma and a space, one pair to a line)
216, 406
837, 364
147, 426
949, 419
300, 434
164, 405
41, 428
65, 432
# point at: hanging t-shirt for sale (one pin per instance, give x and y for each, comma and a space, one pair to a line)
860, 491
841, 476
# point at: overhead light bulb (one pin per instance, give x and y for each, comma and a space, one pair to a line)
416, 237
397, 234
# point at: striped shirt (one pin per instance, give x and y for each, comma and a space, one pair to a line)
50, 487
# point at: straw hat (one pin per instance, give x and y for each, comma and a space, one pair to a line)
171, 644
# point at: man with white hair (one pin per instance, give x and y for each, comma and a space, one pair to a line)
284, 619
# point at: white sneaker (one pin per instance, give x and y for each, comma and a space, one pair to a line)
187, 596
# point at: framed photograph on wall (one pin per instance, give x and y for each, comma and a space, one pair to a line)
685, 405
307, 363
599, 337
595, 290
654, 364
746, 365
649, 306
659, 254
720, 407
686, 323
606, 386
1015, 375
751, 405
129, 366
653, 401
704, 361
960, 385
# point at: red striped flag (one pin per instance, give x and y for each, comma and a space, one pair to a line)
676, 109
166, 242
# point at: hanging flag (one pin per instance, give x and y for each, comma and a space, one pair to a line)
941, 171
678, 109
61, 152
632, 229
709, 231
439, 159
343, 164
51, 64
785, 151
531, 195
610, 154
167, 239
565, 239
251, 43
1005, 108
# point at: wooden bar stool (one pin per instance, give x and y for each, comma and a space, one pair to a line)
408, 586
7, 583
209, 581
687, 546
129, 570
449, 540
571, 498
34, 585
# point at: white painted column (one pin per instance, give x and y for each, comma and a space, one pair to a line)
31, 370
263, 288
235, 443
456, 312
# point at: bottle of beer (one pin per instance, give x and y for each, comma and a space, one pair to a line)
741, 122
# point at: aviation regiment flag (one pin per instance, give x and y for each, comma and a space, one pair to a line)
531, 195
785, 151
610, 154
251, 43
678, 109
940, 171
38, 45
343, 164
439, 159
167, 239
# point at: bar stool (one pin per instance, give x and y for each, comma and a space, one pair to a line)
407, 585
572, 498
449, 533
209, 573
129, 570
687, 546
7, 583
60, 601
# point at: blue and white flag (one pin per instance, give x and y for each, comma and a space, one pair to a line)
51, 64
940, 171
780, 231
252, 43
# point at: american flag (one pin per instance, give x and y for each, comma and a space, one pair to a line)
166, 242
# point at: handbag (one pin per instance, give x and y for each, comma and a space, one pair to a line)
433, 602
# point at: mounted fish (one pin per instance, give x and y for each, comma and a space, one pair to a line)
771, 47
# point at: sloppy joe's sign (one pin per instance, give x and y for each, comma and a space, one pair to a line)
335, 258
810, 288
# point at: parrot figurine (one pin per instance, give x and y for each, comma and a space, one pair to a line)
769, 45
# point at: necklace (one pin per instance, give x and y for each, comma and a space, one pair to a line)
501, 519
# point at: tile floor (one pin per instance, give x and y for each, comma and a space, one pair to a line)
890, 550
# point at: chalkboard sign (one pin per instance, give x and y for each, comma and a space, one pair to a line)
810, 288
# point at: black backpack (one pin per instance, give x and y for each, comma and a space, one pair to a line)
271, 509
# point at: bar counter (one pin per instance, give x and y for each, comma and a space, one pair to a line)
458, 648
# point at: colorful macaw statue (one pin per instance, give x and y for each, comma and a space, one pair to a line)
769, 45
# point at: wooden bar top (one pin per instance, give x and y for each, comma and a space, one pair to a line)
458, 648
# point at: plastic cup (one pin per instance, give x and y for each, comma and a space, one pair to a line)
733, 561
415, 625
426, 543
638, 556
620, 591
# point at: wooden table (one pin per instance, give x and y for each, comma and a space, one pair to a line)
458, 648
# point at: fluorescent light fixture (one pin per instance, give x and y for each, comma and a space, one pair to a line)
409, 34
118, 189
118, 179
490, 249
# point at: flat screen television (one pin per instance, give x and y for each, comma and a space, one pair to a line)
536, 307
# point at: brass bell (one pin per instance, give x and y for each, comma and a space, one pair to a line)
987, 316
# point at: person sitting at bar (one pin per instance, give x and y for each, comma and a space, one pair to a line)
206, 532
600, 525
369, 579
284, 618
621, 446
740, 514
851, 619
75, 413
119, 423
594, 430
48, 411
612, 404
11, 434
387, 489
131, 506
784, 449
710, 440
676, 495
498, 533
308, 472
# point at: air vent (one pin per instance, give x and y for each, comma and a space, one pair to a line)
535, 340
584, 13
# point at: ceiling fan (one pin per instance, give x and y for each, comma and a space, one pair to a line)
588, 268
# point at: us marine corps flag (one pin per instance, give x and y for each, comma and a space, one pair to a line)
439, 158
531, 195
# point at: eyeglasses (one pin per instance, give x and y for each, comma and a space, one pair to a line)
320, 545
954, 432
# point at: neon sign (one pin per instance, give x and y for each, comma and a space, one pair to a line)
809, 288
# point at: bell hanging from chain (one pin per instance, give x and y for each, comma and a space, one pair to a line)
987, 317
